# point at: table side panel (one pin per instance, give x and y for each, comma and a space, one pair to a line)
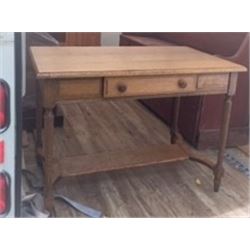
80, 89
211, 82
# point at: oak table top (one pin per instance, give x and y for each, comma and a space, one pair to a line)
76, 62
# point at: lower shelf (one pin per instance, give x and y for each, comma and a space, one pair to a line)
78, 165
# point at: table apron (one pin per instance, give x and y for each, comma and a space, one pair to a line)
56, 90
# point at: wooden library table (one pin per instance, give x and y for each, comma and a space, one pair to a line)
78, 73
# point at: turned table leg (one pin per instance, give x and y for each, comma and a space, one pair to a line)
39, 111
194, 155
48, 158
218, 169
175, 118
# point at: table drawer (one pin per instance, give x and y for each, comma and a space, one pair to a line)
148, 86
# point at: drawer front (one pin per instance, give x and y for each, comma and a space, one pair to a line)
148, 86
213, 82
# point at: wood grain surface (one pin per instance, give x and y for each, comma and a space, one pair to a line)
73, 62
169, 190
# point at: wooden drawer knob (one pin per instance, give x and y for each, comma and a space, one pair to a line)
182, 84
122, 88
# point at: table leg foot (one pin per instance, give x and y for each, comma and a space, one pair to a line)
49, 199
217, 178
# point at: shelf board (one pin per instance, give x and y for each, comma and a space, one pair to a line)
99, 162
